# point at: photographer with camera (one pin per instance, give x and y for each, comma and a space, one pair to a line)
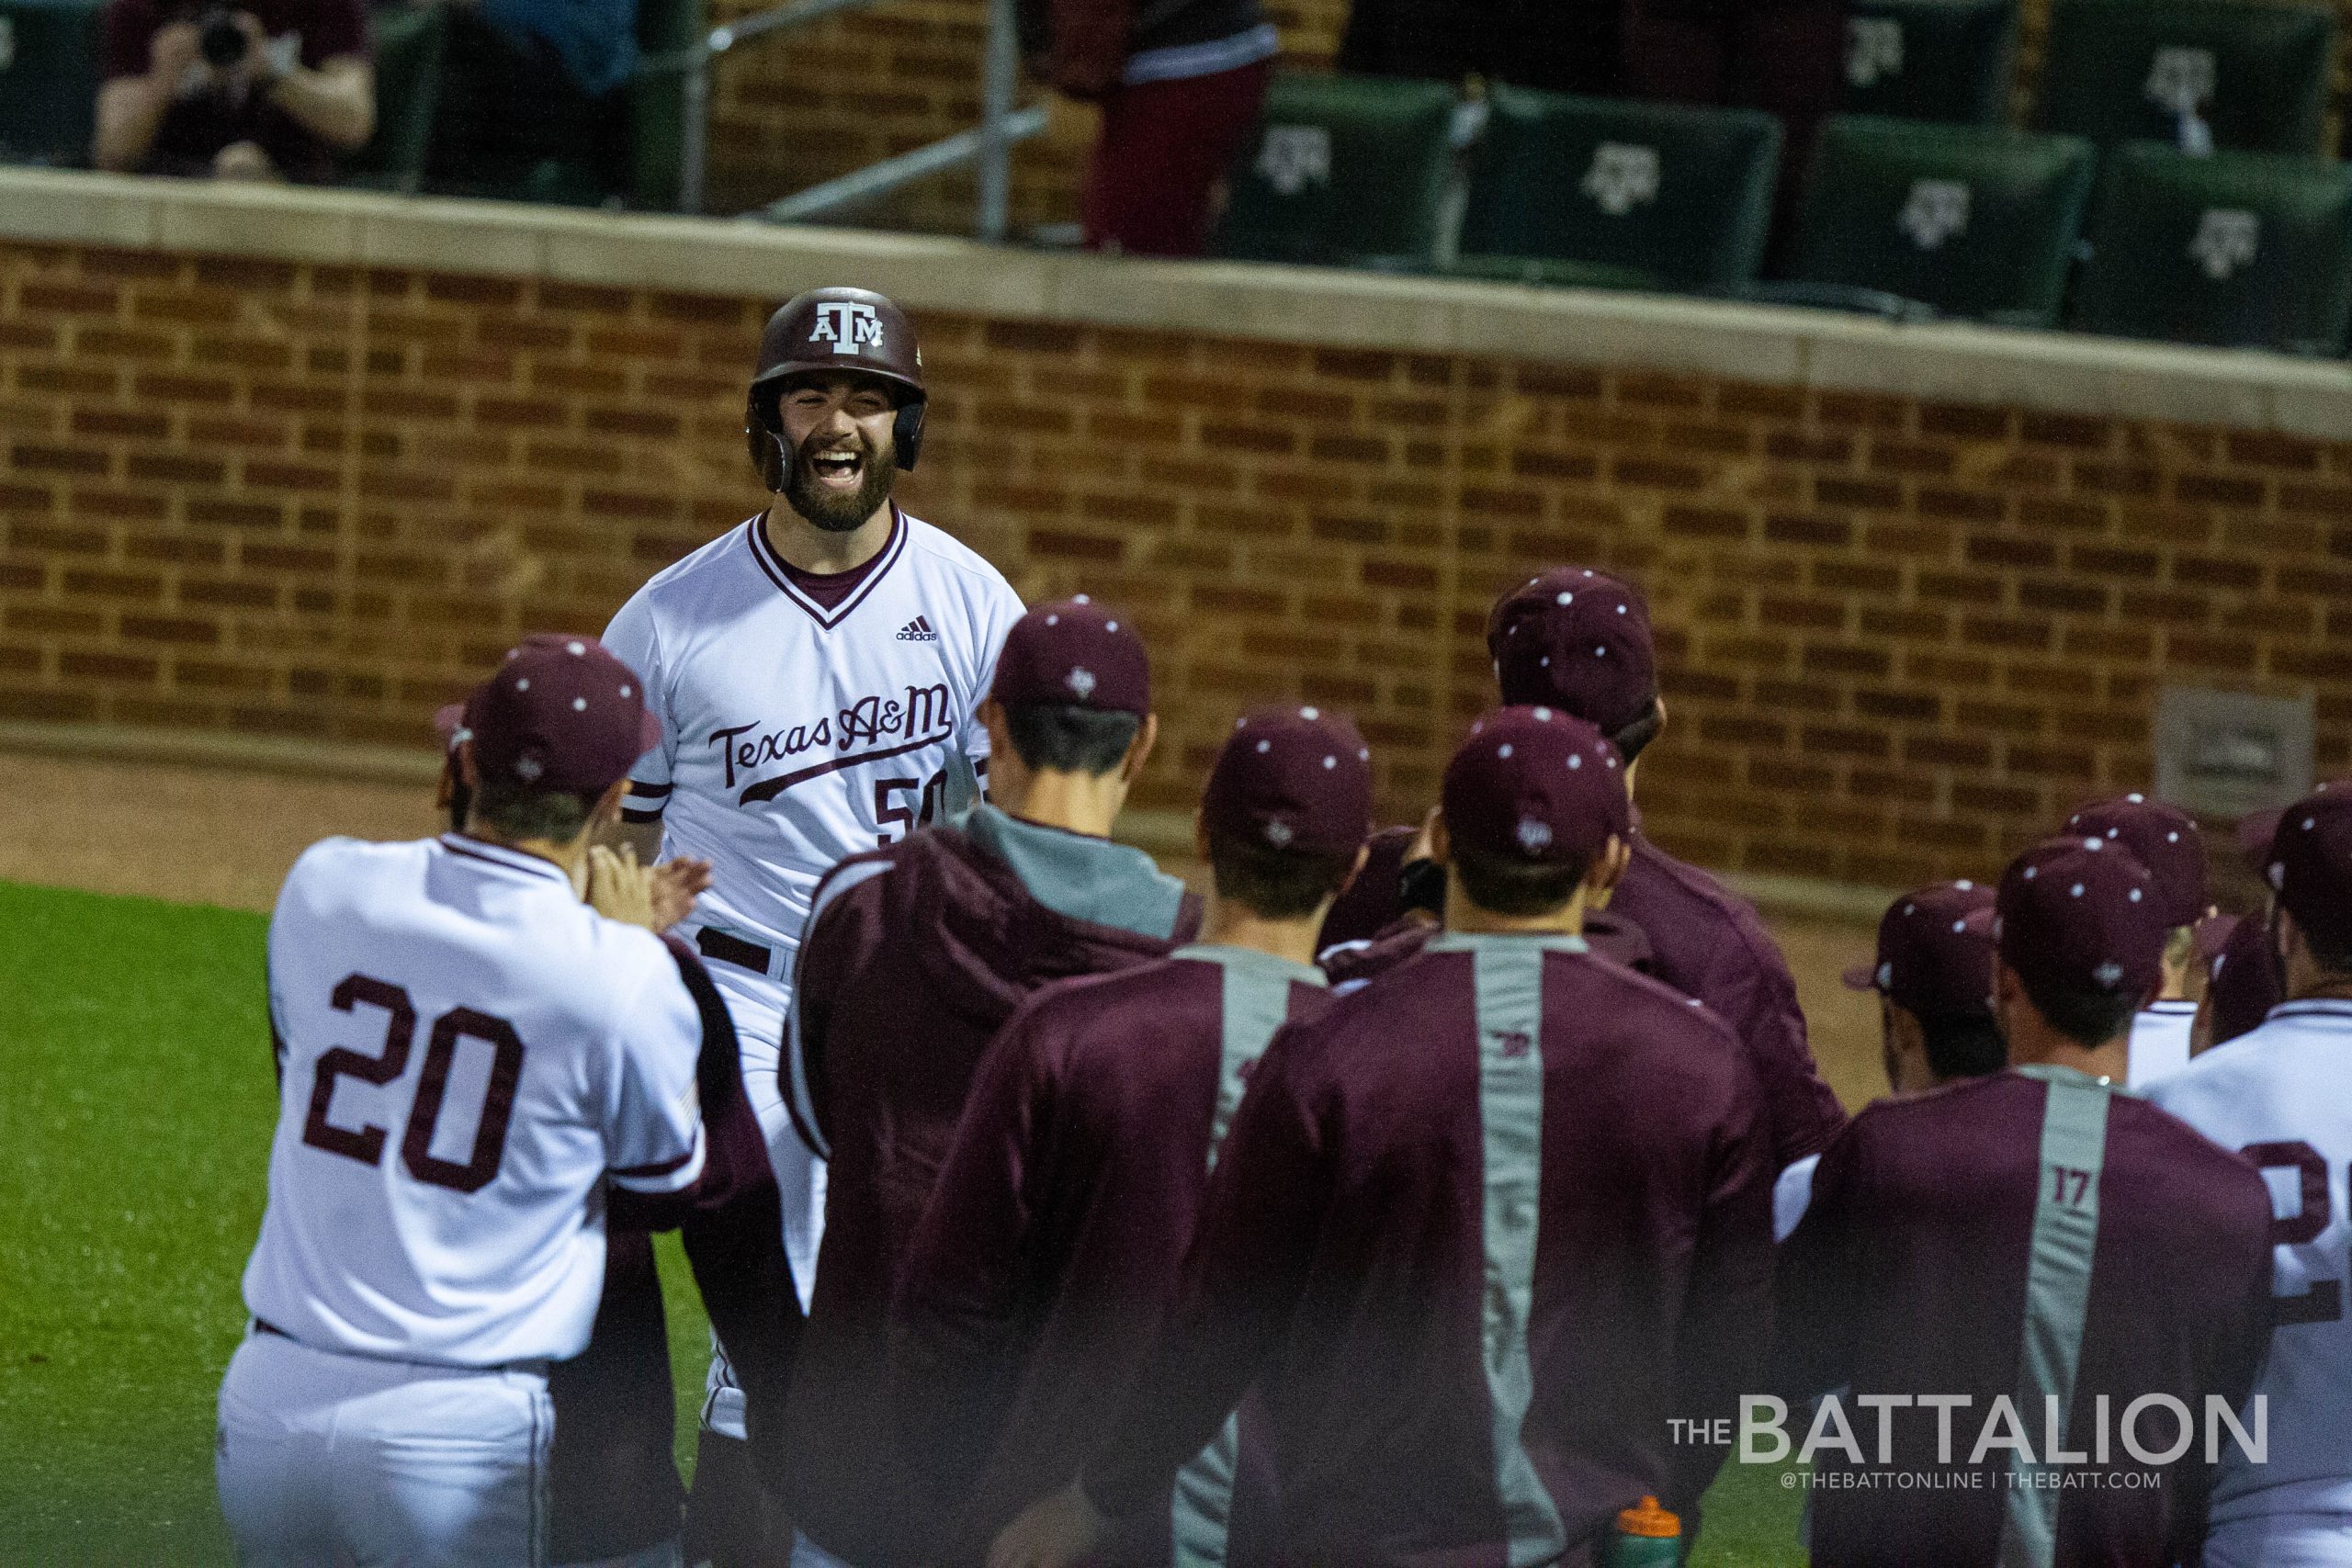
264, 89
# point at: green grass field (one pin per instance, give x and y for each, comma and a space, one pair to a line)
136, 1107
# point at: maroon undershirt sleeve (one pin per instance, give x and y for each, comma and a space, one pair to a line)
1819, 1293
1722, 1346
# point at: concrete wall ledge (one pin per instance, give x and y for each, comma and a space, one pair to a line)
2045, 371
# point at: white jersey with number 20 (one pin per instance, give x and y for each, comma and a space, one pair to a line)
466, 1053
2282, 1096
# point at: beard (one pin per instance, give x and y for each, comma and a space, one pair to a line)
838, 511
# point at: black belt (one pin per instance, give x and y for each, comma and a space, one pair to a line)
263, 1325
733, 950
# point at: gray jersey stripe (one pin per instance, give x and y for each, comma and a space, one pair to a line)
1256, 991
1508, 972
2057, 1299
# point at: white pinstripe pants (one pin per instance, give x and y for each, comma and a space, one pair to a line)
333, 1458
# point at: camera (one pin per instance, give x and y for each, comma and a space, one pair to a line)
219, 39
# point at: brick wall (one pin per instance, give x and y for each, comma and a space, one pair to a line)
795, 109
314, 500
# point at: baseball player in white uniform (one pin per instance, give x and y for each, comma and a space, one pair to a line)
467, 1054
2282, 1096
816, 672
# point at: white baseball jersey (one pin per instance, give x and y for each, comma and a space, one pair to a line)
466, 1051
793, 735
2283, 1096
2159, 1042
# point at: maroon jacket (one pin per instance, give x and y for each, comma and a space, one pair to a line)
915, 954
1044, 1263
1505, 1142
1610, 935
1709, 944
1909, 1275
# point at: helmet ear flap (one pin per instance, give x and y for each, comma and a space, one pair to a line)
906, 433
765, 445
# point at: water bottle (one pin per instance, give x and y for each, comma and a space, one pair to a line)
1647, 1537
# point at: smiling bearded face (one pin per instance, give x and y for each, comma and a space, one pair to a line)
840, 479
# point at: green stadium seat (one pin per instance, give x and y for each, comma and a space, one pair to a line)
658, 101
409, 41
2198, 73
1608, 194
1345, 171
49, 80
2239, 250
1973, 223
1940, 60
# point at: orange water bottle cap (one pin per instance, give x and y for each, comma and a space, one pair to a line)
1648, 1519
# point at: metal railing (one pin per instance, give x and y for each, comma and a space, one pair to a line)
990, 143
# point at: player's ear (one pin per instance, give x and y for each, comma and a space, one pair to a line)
1441, 842
1608, 870
1139, 749
467, 770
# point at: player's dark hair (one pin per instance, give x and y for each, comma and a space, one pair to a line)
2334, 957
515, 810
1630, 740
1503, 886
1067, 739
1271, 884
2089, 1018
1964, 1045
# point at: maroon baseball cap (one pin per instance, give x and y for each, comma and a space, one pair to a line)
1535, 785
562, 714
2257, 828
1074, 654
2311, 865
2081, 914
1576, 639
1935, 951
2161, 838
1292, 778
2243, 983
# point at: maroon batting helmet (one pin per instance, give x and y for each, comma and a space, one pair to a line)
831, 330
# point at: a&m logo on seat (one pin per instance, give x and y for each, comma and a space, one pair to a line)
1874, 50
1937, 211
2180, 78
1295, 156
2226, 240
1621, 177
847, 325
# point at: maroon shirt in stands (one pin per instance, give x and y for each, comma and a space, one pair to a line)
1910, 1276
198, 126
1709, 944
1503, 1141
1045, 1260
914, 956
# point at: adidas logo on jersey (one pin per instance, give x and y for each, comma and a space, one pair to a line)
918, 630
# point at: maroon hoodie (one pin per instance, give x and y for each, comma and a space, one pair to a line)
914, 955
1045, 1260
